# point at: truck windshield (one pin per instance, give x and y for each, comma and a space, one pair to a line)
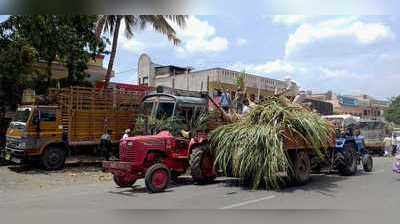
147, 108
165, 109
22, 115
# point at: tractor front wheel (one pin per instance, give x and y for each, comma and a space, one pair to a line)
157, 178
367, 163
202, 165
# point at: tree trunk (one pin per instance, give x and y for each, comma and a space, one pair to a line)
113, 52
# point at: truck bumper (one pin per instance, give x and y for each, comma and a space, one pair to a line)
121, 169
13, 155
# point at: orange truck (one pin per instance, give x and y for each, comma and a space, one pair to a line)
68, 122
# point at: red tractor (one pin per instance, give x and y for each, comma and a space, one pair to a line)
161, 157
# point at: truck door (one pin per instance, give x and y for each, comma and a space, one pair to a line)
48, 125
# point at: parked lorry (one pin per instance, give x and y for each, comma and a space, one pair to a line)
374, 133
66, 122
160, 157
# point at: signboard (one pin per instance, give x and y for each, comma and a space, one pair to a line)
348, 101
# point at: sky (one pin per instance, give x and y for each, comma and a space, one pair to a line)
349, 54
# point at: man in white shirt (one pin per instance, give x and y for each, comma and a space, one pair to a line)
126, 135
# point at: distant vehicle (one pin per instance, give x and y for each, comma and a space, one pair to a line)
374, 134
345, 126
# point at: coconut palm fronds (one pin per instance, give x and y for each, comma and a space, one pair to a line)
253, 148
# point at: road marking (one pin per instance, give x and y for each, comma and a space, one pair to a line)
248, 202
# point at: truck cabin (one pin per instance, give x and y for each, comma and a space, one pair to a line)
183, 108
32, 116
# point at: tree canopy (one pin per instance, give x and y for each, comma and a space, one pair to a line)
392, 114
71, 40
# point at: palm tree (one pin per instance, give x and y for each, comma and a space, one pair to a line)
111, 24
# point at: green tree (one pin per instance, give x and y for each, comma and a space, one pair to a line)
28, 40
110, 24
69, 39
16, 60
392, 114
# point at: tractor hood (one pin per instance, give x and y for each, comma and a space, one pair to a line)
136, 148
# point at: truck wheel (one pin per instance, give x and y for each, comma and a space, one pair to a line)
367, 163
350, 159
301, 168
202, 165
121, 181
53, 158
157, 178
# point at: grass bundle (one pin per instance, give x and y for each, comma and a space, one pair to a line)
253, 147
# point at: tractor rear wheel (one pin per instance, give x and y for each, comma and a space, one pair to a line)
202, 165
367, 163
157, 178
350, 158
301, 168
121, 181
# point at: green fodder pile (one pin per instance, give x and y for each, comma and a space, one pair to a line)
253, 148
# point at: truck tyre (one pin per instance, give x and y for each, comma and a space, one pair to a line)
202, 165
121, 181
367, 163
301, 168
53, 158
350, 160
157, 178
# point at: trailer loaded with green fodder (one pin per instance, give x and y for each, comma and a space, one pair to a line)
281, 141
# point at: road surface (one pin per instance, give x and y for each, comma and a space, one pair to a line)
370, 194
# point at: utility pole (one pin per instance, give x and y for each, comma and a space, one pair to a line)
187, 77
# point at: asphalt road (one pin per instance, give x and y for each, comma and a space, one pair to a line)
372, 193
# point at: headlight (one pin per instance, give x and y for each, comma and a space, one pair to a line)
21, 145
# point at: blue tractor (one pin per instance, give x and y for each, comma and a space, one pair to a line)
350, 148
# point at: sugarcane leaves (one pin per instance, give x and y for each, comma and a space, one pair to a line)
253, 147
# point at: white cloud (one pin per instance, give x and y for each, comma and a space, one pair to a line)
276, 67
200, 37
289, 20
240, 42
132, 45
338, 74
349, 31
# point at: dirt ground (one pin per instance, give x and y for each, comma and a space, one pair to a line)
17, 178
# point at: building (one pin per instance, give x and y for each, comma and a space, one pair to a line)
208, 79
363, 106
95, 70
